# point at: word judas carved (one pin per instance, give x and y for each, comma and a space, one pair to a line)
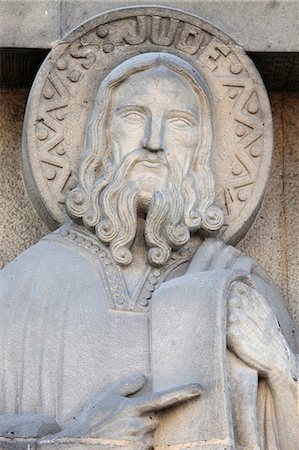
133, 326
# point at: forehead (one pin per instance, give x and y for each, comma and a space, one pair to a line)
158, 86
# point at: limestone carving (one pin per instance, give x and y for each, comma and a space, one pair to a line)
62, 99
133, 325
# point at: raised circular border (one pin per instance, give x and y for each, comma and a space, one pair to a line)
38, 191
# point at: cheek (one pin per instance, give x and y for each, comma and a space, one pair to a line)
188, 137
182, 145
126, 137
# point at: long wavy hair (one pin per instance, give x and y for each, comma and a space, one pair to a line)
94, 200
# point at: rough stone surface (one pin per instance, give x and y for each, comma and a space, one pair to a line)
291, 197
29, 23
130, 326
254, 25
273, 237
62, 97
265, 25
21, 226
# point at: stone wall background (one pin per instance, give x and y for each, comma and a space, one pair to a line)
272, 239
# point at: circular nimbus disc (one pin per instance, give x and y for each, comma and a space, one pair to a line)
62, 97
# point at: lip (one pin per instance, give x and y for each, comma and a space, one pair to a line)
152, 164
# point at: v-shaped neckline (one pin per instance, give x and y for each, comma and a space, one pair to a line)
114, 275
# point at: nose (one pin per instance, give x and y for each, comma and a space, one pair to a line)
153, 139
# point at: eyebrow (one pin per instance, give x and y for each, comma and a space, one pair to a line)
183, 113
130, 107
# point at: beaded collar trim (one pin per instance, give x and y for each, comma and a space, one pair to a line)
81, 237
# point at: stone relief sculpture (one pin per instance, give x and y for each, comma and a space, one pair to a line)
134, 324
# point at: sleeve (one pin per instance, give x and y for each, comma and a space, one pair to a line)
263, 371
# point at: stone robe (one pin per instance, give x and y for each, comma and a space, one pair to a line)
69, 327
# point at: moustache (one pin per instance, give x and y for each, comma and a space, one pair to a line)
150, 159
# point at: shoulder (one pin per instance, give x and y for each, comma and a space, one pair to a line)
214, 254
57, 255
42, 254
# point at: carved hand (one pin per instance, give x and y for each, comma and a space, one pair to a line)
116, 415
254, 334
27, 426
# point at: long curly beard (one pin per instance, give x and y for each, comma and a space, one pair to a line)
165, 225
183, 206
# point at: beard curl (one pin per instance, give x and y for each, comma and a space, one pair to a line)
111, 208
184, 206
164, 227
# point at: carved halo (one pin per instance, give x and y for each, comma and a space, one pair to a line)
65, 88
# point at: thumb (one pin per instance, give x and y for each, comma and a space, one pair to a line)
131, 385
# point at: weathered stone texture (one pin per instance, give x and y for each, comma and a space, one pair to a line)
290, 145
272, 239
29, 23
20, 226
254, 27
263, 25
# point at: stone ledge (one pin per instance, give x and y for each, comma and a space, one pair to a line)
67, 444
256, 25
102, 444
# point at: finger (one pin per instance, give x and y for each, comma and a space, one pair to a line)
239, 288
247, 323
251, 355
131, 385
259, 304
247, 337
171, 397
255, 313
235, 302
149, 424
153, 423
145, 442
246, 298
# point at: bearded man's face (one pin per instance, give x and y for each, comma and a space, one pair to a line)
152, 132
157, 112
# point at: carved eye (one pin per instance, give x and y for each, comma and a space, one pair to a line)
180, 123
133, 117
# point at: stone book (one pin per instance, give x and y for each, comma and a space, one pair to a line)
188, 317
